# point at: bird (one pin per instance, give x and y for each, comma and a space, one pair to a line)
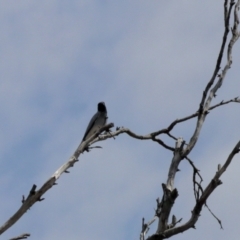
98, 120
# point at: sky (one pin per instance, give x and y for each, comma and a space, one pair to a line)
149, 61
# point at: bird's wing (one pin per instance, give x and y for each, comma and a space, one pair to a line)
90, 125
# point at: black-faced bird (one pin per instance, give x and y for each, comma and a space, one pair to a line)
98, 120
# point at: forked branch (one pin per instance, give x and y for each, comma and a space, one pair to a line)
203, 111
214, 183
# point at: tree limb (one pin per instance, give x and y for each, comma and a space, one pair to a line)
203, 112
199, 189
214, 183
219, 221
200, 194
22, 236
36, 195
227, 14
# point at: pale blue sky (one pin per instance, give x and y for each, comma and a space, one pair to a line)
149, 61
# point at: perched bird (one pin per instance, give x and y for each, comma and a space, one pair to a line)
98, 120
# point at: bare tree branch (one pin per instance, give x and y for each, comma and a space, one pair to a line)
164, 230
175, 162
236, 100
163, 144
227, 14
34, 196
203, 112
214, 183
22, 236
180, 153
169, 192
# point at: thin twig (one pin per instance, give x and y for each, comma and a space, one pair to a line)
163, 144
199, 189
22, 236
219, 221
145, 227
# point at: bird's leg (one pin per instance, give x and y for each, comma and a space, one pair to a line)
109, 132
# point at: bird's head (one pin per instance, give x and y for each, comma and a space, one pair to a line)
102, 107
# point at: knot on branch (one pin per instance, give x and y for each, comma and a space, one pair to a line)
168, 194
179, 145
31, 193
164, 206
